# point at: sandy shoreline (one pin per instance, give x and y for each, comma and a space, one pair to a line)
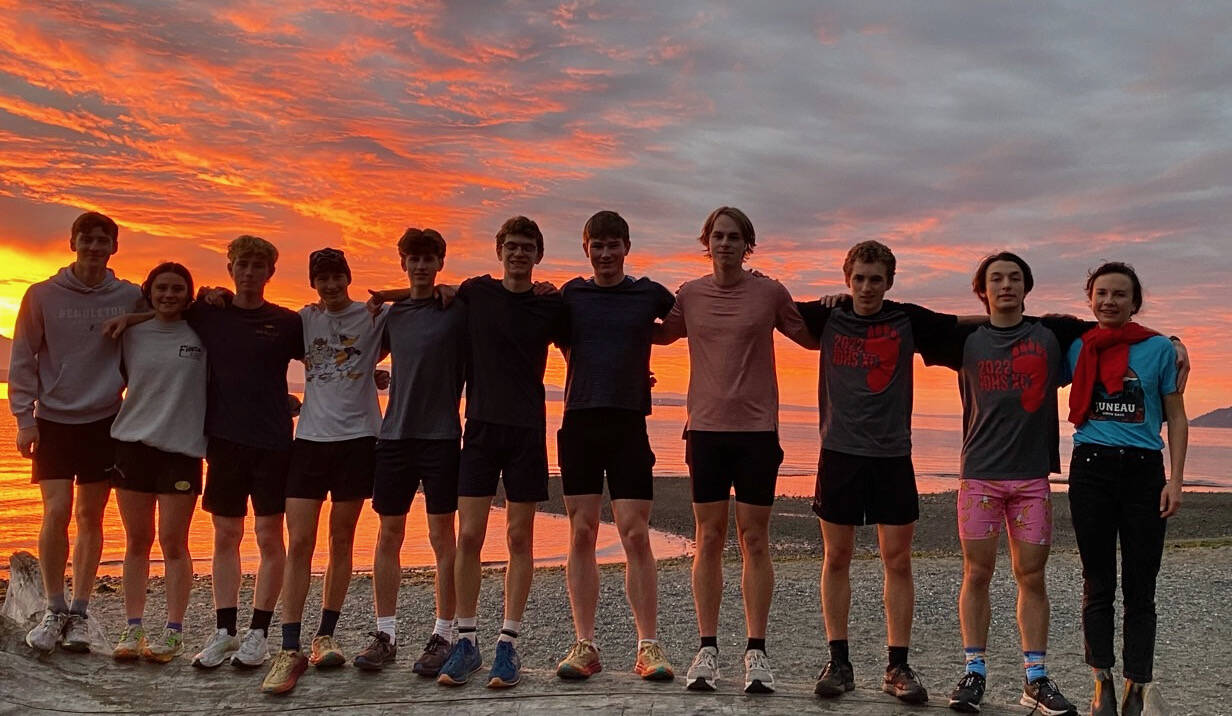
1194, 644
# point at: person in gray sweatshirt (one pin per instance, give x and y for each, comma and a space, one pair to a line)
65, 390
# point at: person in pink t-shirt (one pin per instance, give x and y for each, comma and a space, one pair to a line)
729, 317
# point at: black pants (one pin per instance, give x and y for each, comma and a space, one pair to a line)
1114, 492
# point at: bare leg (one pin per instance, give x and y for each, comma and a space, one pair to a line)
1029, 561
581, 568
91, 501
467, 568
303, 516
273, 561
711, 535
228, 533
520, 538
838, 541
757, 575
137, 514
641, 573
175, 513
899, 590
53, 534
343, 516
974, 613
387, 564
444, 548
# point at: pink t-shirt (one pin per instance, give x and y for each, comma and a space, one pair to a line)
732, 383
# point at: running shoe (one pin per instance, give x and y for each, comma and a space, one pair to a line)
131, 644
1104, 702
652, 663
902, 682
253, 651
582, 662
703, 673
1044, 696
506, 667
288, 666
433, 657
76, 634
463, 660
758, 679
46, 635
218, 649
325, 652
835, 679
379, 652
967, 696
165, 648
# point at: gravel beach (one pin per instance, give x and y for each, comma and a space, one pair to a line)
1194, 645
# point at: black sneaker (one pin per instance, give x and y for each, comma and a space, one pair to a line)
1043, 695
902, 682
968, 694
835, 679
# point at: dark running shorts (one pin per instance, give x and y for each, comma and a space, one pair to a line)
237, 472
402, 465
492, 453
341, 469
747, 461
141, 468
84, 451
858, 490
605, 440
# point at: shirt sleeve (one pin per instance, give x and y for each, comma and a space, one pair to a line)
295, 343
674, 326
23, 361
788, 321
664, 300
1167, 368
815, 316
1067, 329
937, 337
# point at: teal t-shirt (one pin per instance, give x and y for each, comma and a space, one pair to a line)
1134, 416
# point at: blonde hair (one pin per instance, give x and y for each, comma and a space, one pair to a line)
248, 244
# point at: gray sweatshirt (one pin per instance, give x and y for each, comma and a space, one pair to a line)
63, 369
165, 404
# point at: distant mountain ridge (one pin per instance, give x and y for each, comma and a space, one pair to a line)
1221, 418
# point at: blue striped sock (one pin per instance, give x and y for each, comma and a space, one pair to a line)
1033, 662
976, 663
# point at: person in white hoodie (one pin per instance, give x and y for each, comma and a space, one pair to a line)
65, 390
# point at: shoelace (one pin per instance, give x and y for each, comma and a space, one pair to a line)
757, 660
1050, 685
654, 652
706, 658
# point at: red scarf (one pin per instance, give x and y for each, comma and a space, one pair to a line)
1104, 355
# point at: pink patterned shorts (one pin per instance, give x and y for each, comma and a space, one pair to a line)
1024, 505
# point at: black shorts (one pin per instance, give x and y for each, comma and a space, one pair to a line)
516, 455
141, 468
402, 465
605, 440
719, 461
84, 451
341, 469
237, 472
859, 490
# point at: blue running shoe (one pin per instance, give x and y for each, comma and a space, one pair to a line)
506, 667
463, 660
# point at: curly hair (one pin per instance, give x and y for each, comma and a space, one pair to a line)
870, 252
520, 226
248, 244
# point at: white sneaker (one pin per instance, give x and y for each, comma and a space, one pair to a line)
704, 671
253, 651
758, 679
46, 635
76, 634
216, 651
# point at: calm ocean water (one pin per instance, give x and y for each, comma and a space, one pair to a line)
937, 439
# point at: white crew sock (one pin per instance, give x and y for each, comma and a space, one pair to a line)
467, 628
509, 631
388, 625
443, 628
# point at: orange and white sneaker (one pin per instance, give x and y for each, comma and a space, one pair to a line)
132, 642
326, 652
288, 666
652, 663
582, 661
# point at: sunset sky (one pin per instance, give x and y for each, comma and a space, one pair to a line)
1070, 133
